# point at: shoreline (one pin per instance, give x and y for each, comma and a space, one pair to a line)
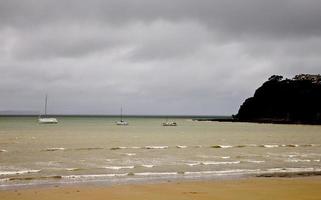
160, 180
243, 188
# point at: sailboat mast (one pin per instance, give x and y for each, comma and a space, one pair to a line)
121, 113
46, 105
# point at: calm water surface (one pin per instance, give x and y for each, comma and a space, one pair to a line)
84, 149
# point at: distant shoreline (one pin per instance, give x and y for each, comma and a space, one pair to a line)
259, 121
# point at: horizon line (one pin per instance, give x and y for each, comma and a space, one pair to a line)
114, 115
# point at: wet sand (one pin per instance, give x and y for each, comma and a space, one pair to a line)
250, 188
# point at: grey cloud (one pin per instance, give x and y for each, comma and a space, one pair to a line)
165, 40
63, 40
158, 40
154, 57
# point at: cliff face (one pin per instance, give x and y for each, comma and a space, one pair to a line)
279, 100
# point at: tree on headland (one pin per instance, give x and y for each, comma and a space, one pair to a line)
275, 78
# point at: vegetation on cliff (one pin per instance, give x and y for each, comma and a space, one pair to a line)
279, 100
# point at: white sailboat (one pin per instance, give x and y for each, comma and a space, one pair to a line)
121, 122
45, 119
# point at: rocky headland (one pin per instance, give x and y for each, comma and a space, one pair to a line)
279, 100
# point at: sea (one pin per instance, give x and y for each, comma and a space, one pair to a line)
94, 150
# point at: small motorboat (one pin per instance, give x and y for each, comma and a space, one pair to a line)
169, 123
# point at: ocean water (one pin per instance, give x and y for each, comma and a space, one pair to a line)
94, 149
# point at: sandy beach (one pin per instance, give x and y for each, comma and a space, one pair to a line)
250, 188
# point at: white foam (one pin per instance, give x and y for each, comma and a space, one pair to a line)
92, 176
225, 157
276, 169
255, 161
155, 173
130, 154
119, 167
73, 169
224, 146
223, 172
270, 145
308, 169
148, 166
181, 146
3, 150
193, 164
219, 163
292, 156
298, 160
135, 147
18, 172
124, 147
156, 147
55, 149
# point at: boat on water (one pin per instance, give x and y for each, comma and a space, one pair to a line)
169, 123
121, 122
45, 119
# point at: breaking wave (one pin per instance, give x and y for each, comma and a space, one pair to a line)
174, 174
122, 147
222, 146
156, 147
184, 147
220, 163
148, 166
89, 148
265, 145
181, 146
130, 154
54, 149
3, 173
119, 167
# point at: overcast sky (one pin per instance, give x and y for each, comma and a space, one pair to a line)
198, 57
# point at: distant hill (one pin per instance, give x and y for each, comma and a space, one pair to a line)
278, 100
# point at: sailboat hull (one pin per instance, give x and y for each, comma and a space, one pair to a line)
169, 124
47, 121
122, 123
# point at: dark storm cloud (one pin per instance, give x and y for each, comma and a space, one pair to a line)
275, 17
178, 56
